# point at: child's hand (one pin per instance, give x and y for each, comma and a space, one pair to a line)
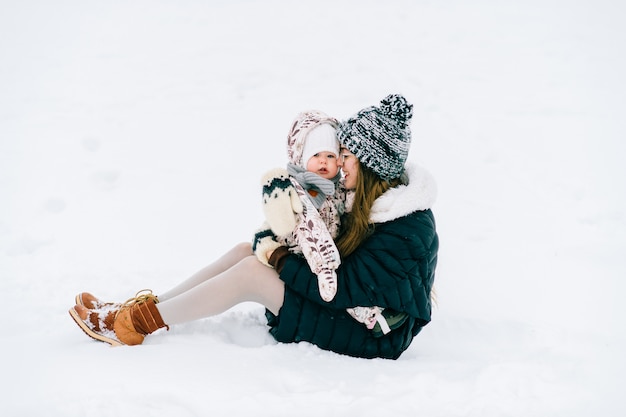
281, 203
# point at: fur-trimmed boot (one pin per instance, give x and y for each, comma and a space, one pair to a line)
137, 318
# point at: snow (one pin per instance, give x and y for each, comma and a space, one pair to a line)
132, 139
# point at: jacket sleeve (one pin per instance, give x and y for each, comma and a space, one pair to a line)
393, 268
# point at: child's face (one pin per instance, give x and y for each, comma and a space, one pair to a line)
323, 164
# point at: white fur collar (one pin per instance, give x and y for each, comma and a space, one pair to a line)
419, 194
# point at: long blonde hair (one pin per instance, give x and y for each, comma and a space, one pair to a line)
355, 226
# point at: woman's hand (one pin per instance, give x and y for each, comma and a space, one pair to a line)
278, 257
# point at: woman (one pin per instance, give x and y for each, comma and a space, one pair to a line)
388, 247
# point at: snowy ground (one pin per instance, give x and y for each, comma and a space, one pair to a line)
132, 138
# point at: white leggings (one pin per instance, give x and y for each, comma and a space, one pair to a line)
236, 277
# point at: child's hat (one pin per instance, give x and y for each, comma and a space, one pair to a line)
322, 138
304, 130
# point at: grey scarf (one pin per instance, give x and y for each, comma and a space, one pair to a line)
312, 181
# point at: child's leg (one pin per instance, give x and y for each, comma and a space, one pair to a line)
230, 258
248, 280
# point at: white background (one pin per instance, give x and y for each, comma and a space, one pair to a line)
132, 138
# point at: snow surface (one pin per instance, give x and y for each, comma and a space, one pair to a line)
132, 138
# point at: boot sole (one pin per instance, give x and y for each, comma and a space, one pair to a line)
96, 336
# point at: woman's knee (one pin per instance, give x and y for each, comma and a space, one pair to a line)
257, 274
262, 282
243, 249
252, 265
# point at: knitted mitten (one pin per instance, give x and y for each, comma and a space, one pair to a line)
281, 203
264, 243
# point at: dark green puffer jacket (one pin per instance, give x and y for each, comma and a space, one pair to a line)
394, 268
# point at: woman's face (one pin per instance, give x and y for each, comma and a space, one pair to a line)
350, 167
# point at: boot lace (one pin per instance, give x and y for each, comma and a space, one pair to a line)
140, 297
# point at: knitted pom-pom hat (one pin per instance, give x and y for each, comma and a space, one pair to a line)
380, 137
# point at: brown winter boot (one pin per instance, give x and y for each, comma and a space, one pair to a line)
92, 302
97, 323
137, 318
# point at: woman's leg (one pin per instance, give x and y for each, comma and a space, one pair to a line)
230, 258
248, 280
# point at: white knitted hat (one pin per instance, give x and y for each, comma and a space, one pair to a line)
304, 123
322, 138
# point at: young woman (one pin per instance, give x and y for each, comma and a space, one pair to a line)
388, 245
